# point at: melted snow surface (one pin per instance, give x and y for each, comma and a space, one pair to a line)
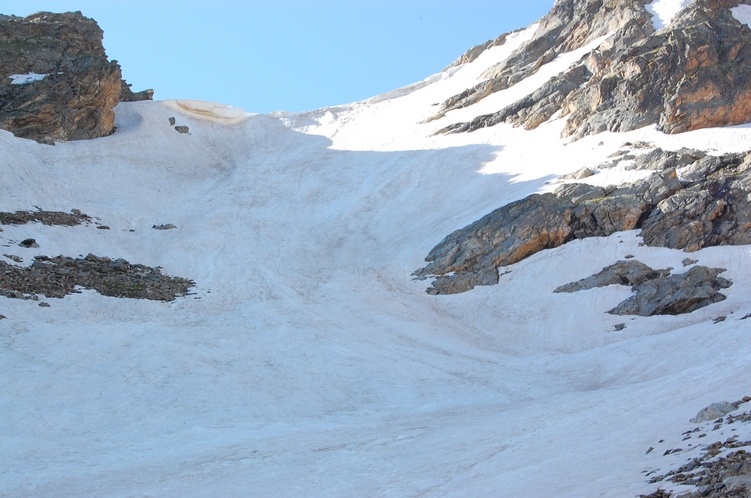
743, 14
22, 79
663, 11
307, 362
209, 111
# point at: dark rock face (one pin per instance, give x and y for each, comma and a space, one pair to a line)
694, 74
128, 95
511, 233
711, 210
76, 98
630, 273
656, 292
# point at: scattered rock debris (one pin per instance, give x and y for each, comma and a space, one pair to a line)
719, 471
50, 218
59, 276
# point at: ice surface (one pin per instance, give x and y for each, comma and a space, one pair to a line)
22, 79
308, 363
663, 11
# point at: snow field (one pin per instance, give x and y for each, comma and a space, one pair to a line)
308, 362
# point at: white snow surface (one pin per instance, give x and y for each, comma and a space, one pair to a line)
23, 79
743, 14
308, 362
663, 11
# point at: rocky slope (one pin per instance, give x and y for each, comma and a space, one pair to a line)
708, 205
693, 74
56, 82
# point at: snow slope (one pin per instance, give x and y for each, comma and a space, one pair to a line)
308, 363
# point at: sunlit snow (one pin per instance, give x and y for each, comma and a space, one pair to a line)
663, 11
22, 79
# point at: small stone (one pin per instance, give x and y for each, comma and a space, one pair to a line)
168, 226
29, 243
2, 317
689, 262
172, 121
649, 451
77, 212
103, 227
182, 129
13, 257
44, 305
629, 256
618, 327
719, 319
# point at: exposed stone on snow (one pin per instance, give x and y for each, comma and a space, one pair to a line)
623, 273
689, 215
45, 218
59, 276
656, 292
714, 411
675, 294
468, 257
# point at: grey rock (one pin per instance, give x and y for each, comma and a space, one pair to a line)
689, 262
103, 227
44, 305
182, 129
579, 174
28, 243
686, 77
471, 256
128, 95
618, 327
629, 273
675, 294
168, 226
713, 411
172, 121
14, 258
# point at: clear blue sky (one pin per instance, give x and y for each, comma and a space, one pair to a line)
285, 54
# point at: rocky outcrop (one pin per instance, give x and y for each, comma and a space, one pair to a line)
631, 273
72, 89
59, 276
712, 209
570, 25
128, 95
657, 292
471, 256
693, 74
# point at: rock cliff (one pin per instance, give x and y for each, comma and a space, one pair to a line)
56, 82
693, 74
